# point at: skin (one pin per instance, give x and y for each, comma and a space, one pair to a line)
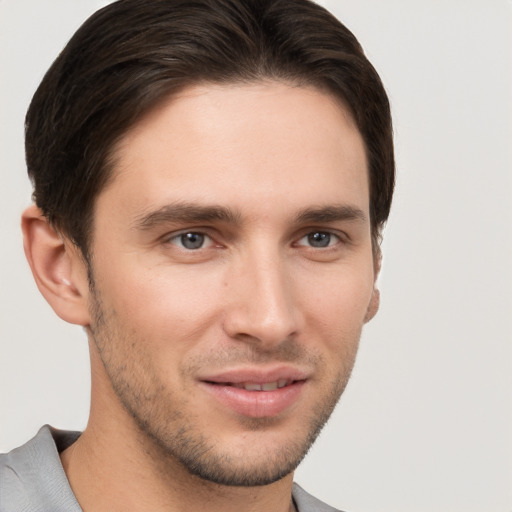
259, 292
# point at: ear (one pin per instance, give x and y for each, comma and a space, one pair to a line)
374, 303
373, 306
57, 266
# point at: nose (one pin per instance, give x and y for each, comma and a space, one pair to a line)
261, 302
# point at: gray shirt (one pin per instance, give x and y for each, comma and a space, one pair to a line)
32, 478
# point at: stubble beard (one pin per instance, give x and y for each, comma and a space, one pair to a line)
172, 436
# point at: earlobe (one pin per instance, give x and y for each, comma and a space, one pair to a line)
57, 267
373, 306
374, 303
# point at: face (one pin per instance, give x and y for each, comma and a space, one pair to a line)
233, 272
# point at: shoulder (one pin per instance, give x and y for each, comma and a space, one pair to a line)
32, 478
304, 502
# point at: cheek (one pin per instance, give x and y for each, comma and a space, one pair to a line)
163, 304
337, 303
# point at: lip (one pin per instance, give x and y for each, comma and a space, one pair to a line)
256, 404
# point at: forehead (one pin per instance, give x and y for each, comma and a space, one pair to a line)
234, 143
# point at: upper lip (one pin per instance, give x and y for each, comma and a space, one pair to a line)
256, 375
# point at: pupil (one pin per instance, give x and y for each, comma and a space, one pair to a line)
192, 240
319, 239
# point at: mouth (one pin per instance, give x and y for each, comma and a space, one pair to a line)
256, 386
256, 394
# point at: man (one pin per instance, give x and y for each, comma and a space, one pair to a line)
211, 179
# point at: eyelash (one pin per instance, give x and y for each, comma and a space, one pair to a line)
178, 240
329, 235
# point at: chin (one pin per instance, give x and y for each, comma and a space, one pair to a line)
266, 452
244, 471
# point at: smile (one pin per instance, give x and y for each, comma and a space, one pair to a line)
255, 393
254, 386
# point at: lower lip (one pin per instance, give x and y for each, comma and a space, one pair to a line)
256, 404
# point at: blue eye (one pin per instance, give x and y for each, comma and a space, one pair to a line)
190, 240
319, 239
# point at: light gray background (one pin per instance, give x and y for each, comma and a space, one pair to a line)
426, 422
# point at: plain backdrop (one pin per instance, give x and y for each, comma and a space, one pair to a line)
426, 422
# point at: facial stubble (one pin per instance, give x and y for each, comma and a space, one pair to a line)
174, 436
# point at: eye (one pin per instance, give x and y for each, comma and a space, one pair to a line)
319, 239
191, 240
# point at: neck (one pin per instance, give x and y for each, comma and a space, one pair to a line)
108, 473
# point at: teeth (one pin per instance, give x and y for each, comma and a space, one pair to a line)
266, 386
252, 387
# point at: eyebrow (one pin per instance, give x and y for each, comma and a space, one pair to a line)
181, 212
186, 212
331, 214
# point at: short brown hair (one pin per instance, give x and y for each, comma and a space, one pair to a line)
132, 54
